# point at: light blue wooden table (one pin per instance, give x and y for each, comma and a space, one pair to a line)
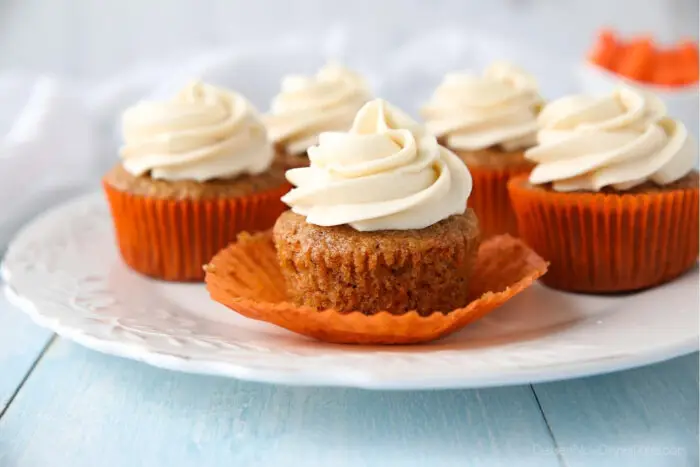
65, 406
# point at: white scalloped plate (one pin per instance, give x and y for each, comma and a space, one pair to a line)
63, 270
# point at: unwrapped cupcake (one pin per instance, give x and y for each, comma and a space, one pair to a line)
195, 171
379, 246
488, 121
613, 200
309, 105
387, 189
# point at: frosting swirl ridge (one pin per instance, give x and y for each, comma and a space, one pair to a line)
621, 141
203, 133
386, 173
310, 105
476, 112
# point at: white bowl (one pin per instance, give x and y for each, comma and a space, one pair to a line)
682, 102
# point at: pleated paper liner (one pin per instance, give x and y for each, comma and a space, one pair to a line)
609, 242
490, 200
172, 239
246, 277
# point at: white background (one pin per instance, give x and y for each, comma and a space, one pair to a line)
93, 39
109, 53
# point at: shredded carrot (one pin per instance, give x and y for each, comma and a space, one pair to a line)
605, 49
676, 68
689, 51
688, 57
636, 64
640, 59
663, 72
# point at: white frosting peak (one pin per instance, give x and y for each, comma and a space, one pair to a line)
386, 173
310, 105
620, 140
203, 133
475, 112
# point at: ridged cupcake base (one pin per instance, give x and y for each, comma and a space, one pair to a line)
609, 242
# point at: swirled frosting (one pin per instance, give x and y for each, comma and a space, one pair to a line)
476, 112
203, 133
620, 140
308, 106
386, 173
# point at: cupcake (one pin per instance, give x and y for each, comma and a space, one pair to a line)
195, 171
488, 121
613, 199
308, 106
379, 245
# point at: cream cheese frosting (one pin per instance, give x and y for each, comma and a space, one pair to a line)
621, 140
474, 112
310, 105
203, 133
386, 173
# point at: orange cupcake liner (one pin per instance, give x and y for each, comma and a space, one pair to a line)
172, 239
490, 200
602, 242
246, 277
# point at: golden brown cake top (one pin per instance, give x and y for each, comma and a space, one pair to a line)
243, 185
691, 181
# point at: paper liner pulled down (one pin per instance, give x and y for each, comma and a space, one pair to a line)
172, 239
490, 199
246, 277
609, 242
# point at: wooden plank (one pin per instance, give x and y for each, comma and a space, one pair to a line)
642, 417
80, 408
21, 344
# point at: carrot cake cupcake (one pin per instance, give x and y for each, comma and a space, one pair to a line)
379, 246
195, 171
379, 220
613, 200
308, 106
488, 121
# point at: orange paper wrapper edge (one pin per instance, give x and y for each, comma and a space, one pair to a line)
246, 277
172, 239
490, 200
603, 242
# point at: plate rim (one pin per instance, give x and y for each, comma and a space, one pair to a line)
504, 377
